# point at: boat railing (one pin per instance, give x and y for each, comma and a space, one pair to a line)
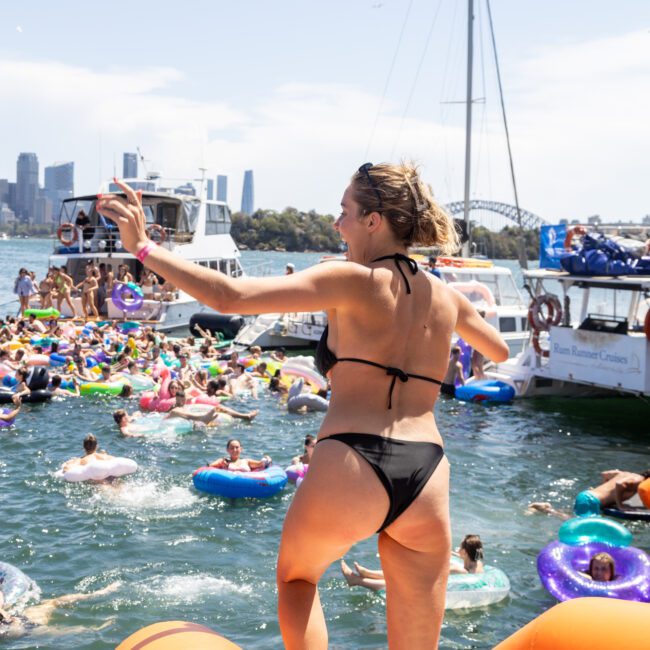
106, 239
258, 270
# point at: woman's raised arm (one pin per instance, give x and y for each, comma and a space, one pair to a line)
477, 332
331, 285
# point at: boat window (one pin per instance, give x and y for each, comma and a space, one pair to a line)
223, 266
148, 214
70, 210
166, 216
216, 220
214, 264
189, 216
524, 324
507, 291
507, 324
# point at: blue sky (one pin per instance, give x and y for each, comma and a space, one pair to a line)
293, 90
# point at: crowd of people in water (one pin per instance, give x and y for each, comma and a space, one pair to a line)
57, 288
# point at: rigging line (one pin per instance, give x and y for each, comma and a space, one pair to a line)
415, 80
522, 258
388, 78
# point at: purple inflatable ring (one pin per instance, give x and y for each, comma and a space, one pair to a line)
559, 566
121, 290
6, 423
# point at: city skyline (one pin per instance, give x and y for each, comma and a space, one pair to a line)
26, 200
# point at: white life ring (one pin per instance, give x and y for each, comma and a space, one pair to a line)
473, 288
99, 470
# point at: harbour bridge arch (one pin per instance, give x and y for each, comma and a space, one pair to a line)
528, 219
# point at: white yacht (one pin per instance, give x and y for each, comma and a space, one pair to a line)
593, 340
191, 226
488, 287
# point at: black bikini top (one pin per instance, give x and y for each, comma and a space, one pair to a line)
326, 359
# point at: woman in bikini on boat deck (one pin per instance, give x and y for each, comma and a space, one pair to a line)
379, 465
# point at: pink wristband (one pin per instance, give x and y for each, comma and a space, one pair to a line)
145, 250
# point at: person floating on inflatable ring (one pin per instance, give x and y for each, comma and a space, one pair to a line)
602, 568
470, 552
616, 487
235, 463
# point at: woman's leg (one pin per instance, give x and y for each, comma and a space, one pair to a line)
415, 552
40, 614
92, 300
70, 303
356, 580
322, 523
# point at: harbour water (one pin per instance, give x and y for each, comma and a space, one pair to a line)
183, 555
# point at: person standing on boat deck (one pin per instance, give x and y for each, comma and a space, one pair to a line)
82, 223
23, 288
385, 351
476, 360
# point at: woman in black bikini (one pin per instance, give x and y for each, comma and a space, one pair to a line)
379, 463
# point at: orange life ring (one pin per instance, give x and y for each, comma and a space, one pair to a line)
153, 228
571, 232
67, 226
535, 317
542, 352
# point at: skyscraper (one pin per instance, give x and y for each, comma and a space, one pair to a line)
222, 188
247, 195
26, 185
130, 165
59, 184
210, 189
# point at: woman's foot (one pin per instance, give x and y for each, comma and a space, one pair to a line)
350, 576
362, 571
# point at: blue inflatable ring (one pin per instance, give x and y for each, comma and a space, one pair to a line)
485, 390
119, 300
225, 483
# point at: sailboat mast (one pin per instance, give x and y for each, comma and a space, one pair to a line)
468, 117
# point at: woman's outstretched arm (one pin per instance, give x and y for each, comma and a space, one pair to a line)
321, 287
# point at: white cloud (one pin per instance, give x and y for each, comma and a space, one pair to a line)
577, 114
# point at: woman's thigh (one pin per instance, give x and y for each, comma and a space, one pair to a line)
340, 502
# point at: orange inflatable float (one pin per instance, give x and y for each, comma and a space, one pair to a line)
176, 635
644, 492
585, 624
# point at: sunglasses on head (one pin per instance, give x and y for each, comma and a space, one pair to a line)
364, 170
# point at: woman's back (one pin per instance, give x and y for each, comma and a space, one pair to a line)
407, 331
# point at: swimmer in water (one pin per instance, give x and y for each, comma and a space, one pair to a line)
310, 445
36, 619
470, 552
208, 417
90, 453
235, 463
8, 417
615, 488
602, 568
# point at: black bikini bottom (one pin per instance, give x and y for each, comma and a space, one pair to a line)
403, 466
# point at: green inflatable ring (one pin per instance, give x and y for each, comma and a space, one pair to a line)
43, 313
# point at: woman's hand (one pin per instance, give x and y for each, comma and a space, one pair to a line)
127, 213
